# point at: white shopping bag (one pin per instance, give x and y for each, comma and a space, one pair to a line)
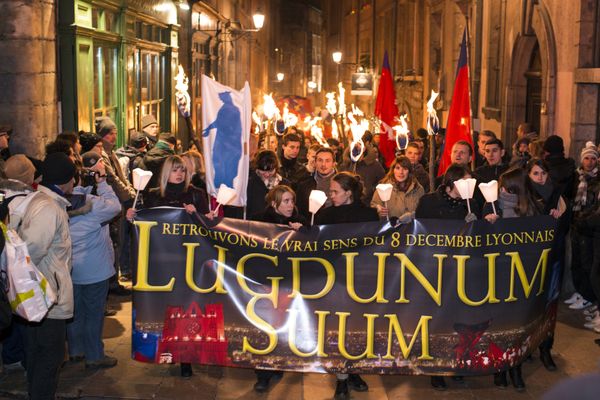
29, 293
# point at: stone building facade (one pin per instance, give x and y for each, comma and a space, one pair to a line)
535, 61
65, 62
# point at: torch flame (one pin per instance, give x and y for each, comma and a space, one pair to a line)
334, 130
181, 93
357, 146
270, 110
401, 133
341, 99
433, 123
330, 106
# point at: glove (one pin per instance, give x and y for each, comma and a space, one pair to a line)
406, 218
470, 217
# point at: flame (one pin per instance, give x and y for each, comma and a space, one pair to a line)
433, 123
289, 118
341, 99
334, 130
257, 122
181, 92
401, 133
270, 110
330, 106
315, 130
358, 130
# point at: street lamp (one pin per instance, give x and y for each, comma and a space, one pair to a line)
280, 76
337, 56
259, 20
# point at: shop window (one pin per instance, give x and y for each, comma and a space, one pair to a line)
105, 77
151, 84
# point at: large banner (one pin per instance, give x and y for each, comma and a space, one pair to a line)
430, 297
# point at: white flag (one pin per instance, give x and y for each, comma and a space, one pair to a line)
226, 119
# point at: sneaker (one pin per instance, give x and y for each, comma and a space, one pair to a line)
125, 277
593, 323
574, 297
261, 385
17, 366
581, 304
590, 311
592, 316
106, 362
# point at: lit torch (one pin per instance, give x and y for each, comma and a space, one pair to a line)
183, 104
357, 147
433, 126
401, 133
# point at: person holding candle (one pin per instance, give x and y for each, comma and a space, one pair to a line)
406, 193
175, 190
345, 192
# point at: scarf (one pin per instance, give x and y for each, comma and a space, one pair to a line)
581, 196
271, 182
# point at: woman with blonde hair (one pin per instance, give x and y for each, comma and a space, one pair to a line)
194, 162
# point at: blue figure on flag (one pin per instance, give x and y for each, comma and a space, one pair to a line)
227, 148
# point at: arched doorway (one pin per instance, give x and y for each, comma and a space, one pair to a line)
533, 103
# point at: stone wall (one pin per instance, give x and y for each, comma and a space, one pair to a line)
28, 73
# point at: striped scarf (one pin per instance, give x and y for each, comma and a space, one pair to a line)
581, 196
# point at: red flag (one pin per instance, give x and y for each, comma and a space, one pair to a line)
386, 111
458, 126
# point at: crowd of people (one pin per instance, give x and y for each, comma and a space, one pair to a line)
83, 185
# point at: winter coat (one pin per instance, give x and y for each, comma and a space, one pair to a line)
93, 254
116, 178
346, 214
42, 222
440, 205
401, 202
154, 160
487, 173
176, 197
269, 215
421, 175
368, 168
130, 158
292, 171
563, 175
256, 192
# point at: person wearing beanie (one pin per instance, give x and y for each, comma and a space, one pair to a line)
90, 141
41, 221
115, 177
18, 167
93, 265
585, 228
150, 129
155, 157
131, 155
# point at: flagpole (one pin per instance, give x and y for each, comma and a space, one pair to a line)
468, 48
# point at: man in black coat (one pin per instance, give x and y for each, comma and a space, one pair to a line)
320, 180
291, 169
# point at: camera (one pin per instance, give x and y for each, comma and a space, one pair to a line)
88, 177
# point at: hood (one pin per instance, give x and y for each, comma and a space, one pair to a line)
127, 151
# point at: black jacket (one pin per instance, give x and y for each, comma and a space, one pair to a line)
440, 205
292, 171
176, 197
256, 192
563, 175
350, 213
153, 161
269, 215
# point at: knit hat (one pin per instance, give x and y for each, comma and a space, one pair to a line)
90, 159
590, 149
167, 137
104, 125
20, 168
137, 139
57, 169
554, 145
148, 120
88, 140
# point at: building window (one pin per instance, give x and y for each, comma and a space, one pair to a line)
494, 60
105, 81
151, 84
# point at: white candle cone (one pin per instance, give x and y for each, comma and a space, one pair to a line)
225, 195
384, 190
489, 191
140, 181
141, 178
466, 187
316, 200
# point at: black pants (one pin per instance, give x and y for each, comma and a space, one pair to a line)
44, 354
583, 261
